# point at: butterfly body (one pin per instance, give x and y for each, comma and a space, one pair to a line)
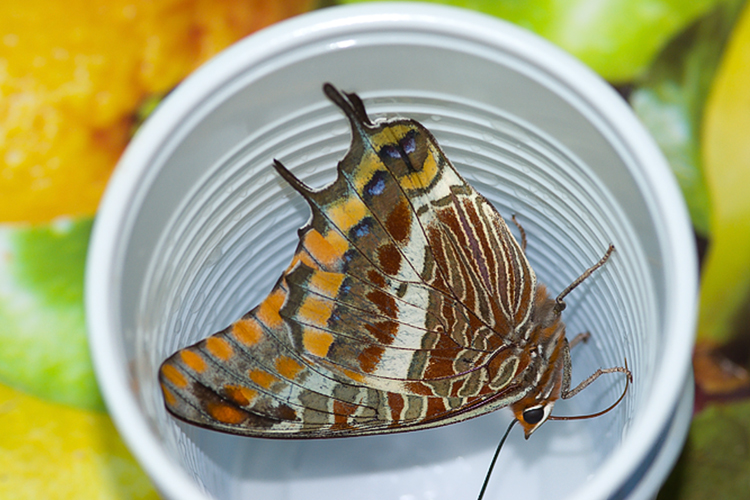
408, 304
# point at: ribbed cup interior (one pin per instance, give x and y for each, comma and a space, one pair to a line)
211, 227
234, 233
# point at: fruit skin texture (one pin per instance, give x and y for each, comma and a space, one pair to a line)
617, 38
73, 74
73, 77
45, 350
725, 285
49, 450
70, 93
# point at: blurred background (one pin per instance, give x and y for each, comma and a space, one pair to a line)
78, 77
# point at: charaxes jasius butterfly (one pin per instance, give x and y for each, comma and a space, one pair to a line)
408, 305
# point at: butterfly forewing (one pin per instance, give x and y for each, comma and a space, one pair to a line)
406, 305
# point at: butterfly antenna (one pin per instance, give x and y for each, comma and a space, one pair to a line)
494, 459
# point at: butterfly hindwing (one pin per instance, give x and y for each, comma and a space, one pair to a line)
404, 306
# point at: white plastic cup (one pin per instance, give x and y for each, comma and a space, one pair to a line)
195, 227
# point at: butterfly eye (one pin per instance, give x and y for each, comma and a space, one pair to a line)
533, 416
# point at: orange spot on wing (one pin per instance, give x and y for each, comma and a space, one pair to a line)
389, 135
306, 259
322, 250
247, 331
174, 376
287, 367
325, 283
268, 311
262, 378
301, 256
369, 165
317, 342
240, 394
339, 244
315, 310
225, 413
193, 360
424, 176
219, 348
347, 212
356, 376
169, 396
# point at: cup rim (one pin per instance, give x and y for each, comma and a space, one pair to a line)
132, 173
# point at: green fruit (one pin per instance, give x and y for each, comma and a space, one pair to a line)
715, 462
671, 98
42, 321
617, 38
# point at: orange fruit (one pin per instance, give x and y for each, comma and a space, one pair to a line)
73, 74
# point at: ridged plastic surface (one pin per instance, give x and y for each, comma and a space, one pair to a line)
206, 227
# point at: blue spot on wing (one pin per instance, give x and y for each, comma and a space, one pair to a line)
345, 288
350, 255
389, 151
376, 185
362, 228
409, 142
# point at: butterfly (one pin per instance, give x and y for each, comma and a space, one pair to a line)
408, 304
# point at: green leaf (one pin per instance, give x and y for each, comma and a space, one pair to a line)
617, 38
670, 100
45, 349
715, 462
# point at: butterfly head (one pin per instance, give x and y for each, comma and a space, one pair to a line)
549, 370
532, 417
536, 407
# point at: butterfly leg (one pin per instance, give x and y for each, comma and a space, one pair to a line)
520, 230
581, 337
598, 373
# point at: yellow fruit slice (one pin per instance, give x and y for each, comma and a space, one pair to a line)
72, 75
725, 288
53, 451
